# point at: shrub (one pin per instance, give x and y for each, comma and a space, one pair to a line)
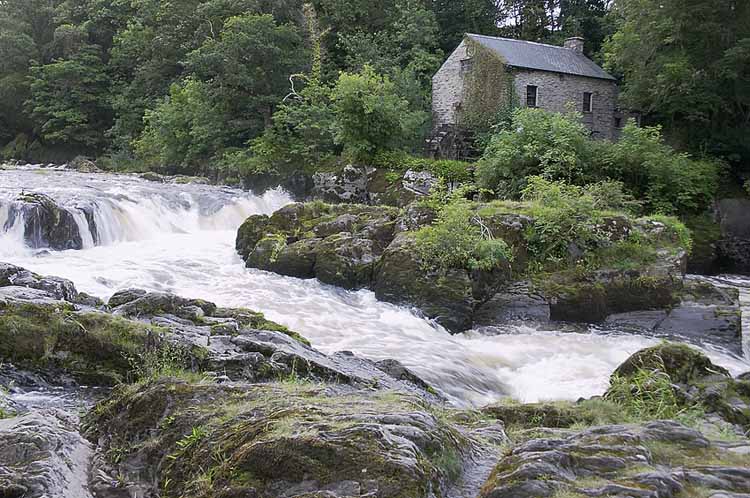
563, 215
458, 239
667, 181
558, 147
451, 171
537, 143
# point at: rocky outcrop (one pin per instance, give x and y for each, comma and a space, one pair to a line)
367, 185
357, 246
695, 380
43, 455
659, 459
704, 314
277, 439
733, 249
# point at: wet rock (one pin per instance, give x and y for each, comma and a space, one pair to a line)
706, 313
401, 279
654, 459
58, 288
83, 165
43, 455
345, 260
249, 233
517, 302
683, 364
733, 249
47, 225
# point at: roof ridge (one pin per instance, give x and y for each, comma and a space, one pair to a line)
522, 41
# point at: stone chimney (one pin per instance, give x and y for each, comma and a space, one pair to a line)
575, 43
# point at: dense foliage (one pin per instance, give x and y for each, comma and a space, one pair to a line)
558, 147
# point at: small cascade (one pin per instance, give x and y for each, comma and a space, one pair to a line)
60, 210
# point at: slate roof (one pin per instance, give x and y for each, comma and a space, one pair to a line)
531, 55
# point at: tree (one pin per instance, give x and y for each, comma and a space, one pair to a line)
689, 76
69, 99
370, 115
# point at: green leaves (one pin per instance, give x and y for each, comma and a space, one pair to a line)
370, 115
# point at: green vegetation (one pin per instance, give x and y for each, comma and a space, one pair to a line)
459, 239
557, 147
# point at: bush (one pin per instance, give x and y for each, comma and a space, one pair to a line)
451, 171
459, 240
563, 215
558, 147
667, 181
537, 143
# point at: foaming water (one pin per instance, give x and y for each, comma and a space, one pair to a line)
181, 239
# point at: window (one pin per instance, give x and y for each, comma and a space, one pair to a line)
466, 66
588, 102
531, 96
618, 122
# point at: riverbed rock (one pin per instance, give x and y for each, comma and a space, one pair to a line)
400, 278
695, 380
659, 459
293, 440
42, 455
47, 225
357, 246
83, 165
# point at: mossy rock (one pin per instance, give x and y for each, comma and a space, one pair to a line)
683, 364
445, 296
93, 347
249, 233
267, 440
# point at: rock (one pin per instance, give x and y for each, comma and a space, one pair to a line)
43, 455
58, 288
153, 177
734, 246
345, 260
46, 224
517, 302
83, 165
348, 186
654, 459
289, 440
250, 233
695, 380
401, 279
125, 296
419, 182
683, 364
706, 313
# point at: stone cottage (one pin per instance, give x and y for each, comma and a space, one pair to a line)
534, 75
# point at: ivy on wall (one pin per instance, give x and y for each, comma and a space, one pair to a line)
489, 94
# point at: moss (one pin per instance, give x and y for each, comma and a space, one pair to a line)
252, 436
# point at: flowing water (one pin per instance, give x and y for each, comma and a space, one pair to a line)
180, 238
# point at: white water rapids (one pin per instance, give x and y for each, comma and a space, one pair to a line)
180, 238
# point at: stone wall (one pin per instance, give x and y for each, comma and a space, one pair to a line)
448, 89
557, 91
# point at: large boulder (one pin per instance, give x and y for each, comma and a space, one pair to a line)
695, 380
47, 225
660, 459
400, 278
294, 440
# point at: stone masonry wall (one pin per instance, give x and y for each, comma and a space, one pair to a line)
448, 88
556, 91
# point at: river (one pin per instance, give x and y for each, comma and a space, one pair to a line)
180, 238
